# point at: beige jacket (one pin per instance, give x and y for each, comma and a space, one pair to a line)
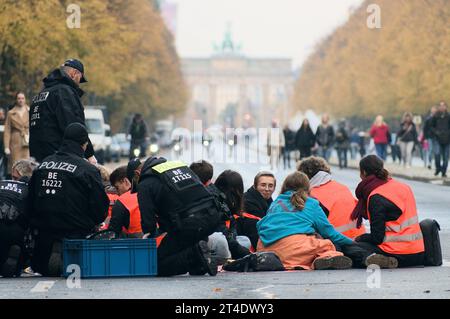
16, 132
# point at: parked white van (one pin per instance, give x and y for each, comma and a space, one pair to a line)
99, 132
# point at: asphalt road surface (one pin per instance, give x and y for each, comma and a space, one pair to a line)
433, 201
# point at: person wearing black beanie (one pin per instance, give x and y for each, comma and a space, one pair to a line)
67, 200
76, 132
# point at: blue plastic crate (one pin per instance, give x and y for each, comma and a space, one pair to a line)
111, 258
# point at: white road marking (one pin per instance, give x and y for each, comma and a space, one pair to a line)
445, 263
267, 295
43, 286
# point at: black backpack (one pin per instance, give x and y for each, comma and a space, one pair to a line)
260, 261
433, 253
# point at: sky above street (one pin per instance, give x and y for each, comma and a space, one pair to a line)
264, 28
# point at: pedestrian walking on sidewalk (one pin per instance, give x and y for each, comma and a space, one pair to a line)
325, 138
305, 139
289, 146
354, 143
16, 134
440, 126
342, 145
407, 139
380, 134
429, 137
275, 143
3, 157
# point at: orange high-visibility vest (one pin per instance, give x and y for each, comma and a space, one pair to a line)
130, 202
112, 200
159, 239
248, 215
403, 236
340, 203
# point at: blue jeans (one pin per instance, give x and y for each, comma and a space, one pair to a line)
441, 152
429, 154
325, 152
342, 156
381, 150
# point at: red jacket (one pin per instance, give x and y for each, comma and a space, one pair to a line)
380, 134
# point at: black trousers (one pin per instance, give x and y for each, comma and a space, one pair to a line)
247, 227
286, 158
359, 251
305, 152
342, 156
178, 252
10, 234
43, 247
137, 144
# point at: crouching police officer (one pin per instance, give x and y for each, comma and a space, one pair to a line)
173, 197
14, 218
67, 200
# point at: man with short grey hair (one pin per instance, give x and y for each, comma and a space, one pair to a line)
23, 168
55, 107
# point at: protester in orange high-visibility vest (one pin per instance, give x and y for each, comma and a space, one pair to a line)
110, 190
126, 216
118, 185
395, 237
335, 198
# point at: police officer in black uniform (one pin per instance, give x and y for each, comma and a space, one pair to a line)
170, 194
67, 200
14, 218
55, 107
228, 223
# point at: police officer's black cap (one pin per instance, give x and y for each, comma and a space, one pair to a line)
76, 132
77, 65
131, 167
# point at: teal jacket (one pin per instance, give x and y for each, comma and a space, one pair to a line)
283, 220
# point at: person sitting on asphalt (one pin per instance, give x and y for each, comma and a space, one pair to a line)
257, 200
173, 200
126, 216
111, 192
291, 226
118, 185
395, 237
335, 199
224, 243
14, 218
67, 200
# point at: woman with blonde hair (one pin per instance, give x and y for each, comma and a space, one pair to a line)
16, 135
297, 231
381, 136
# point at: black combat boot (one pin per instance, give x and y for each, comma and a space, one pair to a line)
11, 266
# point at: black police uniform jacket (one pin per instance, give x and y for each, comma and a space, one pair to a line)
13, 202
66, 193
52, 110
168, 197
